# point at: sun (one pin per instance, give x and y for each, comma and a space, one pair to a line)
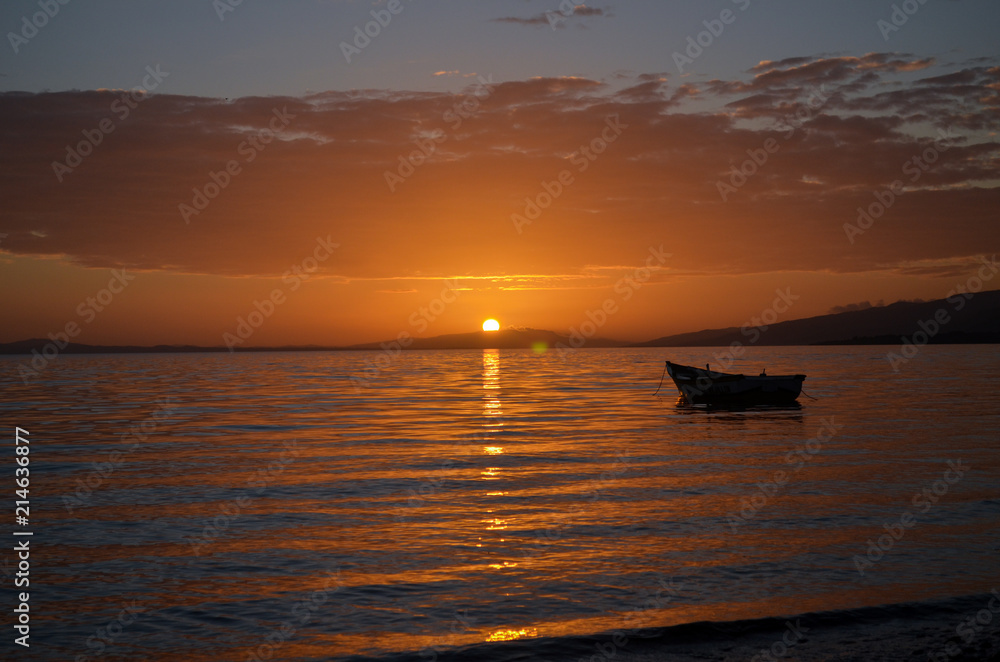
491, 325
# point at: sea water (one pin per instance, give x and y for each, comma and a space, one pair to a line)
268, 506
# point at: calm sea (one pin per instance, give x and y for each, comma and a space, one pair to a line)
260, 506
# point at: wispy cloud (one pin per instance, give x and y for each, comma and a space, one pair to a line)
555, 19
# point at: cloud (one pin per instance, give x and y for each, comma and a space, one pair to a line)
556, 19
848, 73
324, 175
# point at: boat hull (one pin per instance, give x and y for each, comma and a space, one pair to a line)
701, 386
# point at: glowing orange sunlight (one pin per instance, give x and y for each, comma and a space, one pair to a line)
491, 325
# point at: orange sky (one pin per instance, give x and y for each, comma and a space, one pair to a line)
665, 146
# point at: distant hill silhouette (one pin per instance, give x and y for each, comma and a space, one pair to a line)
510, 338
977, 321
38, 344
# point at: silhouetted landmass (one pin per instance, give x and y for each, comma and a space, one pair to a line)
26, 347
975, 320
956, 338
511, 338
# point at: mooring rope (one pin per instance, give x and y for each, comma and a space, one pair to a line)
661, 378
808, 396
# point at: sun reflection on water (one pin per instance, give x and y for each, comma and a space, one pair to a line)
492, 410
511, 635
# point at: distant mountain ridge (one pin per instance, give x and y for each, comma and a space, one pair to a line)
39, 344
969, 320
509, 338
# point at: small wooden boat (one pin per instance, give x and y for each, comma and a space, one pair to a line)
704, 386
